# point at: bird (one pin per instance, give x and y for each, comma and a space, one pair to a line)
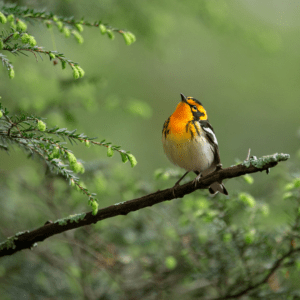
189, 142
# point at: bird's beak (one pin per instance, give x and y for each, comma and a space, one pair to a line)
183, 99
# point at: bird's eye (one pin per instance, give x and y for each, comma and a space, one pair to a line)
194, 107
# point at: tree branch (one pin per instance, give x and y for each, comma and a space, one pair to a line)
28, 239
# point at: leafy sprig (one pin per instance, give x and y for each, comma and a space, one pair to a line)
18, 40
31, 134
30, 46
66, 25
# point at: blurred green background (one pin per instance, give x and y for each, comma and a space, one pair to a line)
239, 58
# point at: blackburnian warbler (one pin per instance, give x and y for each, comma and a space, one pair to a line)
189, 141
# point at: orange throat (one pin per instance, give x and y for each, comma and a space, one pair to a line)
179, 121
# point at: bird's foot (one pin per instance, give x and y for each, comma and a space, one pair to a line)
196, 180
174, 188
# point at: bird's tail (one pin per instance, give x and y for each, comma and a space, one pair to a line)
218, 187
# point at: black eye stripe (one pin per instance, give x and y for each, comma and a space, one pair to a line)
196, 113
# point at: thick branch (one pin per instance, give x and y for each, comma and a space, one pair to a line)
28, 239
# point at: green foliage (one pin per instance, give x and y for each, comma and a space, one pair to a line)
19, 18
102, 28
28, 43
11, 72
132, 159
129, 38
37, 140
3, 19
77, 72
41, 125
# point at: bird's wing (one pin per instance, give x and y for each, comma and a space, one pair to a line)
207, 128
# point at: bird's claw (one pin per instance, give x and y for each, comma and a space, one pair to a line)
196, 180
174, 188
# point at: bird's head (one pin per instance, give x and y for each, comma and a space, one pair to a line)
190, 109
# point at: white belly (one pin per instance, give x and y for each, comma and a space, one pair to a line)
195, 155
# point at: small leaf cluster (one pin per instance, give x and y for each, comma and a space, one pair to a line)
49, 144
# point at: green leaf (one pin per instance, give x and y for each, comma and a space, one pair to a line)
79, 27
55, 152
80, 71
102, 28
77, 167
71, 157
110, 34
21, 25
25, 38
63, 64
3, 19
32, 41
41, 125
129, 38
16, 35
94, 205
110, 151
132, 36
51, 55
76, 74
66, 32
10, 18
124, 157
59, 25
132, 160
11, 73
78, 36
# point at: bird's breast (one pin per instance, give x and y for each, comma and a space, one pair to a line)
191, 154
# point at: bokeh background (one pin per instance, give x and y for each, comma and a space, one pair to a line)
239, 58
